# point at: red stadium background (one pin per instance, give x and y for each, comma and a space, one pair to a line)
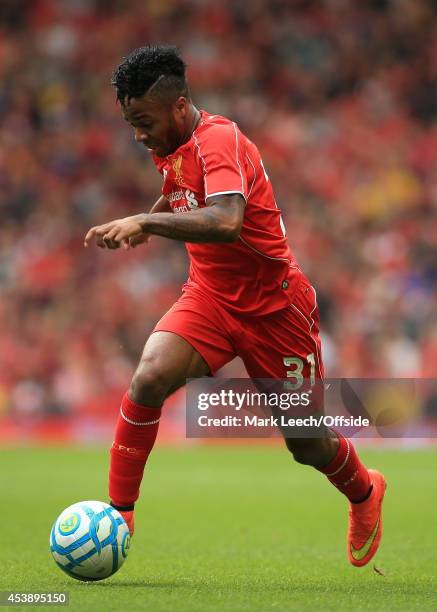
345, 119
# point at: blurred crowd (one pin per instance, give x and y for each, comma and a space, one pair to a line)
339, 96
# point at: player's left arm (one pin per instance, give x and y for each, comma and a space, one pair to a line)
219, 221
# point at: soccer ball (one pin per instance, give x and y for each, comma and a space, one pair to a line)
89, 540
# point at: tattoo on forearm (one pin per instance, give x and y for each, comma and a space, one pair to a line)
196, 226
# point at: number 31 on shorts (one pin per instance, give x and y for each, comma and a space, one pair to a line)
297, 372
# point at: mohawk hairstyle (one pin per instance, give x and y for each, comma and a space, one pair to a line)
158, 68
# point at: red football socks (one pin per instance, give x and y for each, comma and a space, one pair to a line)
135, 435
347, 473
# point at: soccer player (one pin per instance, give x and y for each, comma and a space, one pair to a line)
245, 294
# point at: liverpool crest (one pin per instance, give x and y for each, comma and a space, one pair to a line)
177, 167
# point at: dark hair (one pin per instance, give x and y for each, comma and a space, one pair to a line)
159, 66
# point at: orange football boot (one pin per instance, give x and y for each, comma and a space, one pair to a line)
365, 523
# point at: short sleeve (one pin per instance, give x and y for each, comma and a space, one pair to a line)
220, 149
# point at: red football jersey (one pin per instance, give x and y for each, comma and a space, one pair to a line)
256, 274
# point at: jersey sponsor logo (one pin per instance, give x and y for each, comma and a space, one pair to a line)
177, 168
359, 553
186, 198
175, 196
181, 209
191, 199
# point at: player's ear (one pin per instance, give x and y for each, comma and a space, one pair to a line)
180, 107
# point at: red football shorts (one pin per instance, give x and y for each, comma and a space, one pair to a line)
284, 344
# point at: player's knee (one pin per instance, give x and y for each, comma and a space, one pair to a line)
149, 385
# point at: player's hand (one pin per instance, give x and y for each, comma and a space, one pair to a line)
125, 232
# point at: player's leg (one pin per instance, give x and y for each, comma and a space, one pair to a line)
286, 345
167, 361
188, 343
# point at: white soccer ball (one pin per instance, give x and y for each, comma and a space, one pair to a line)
89, 540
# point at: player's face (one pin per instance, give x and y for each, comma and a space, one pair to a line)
160, 128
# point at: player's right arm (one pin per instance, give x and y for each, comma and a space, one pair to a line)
219, 221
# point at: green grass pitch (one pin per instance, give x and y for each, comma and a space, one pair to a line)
225, 528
